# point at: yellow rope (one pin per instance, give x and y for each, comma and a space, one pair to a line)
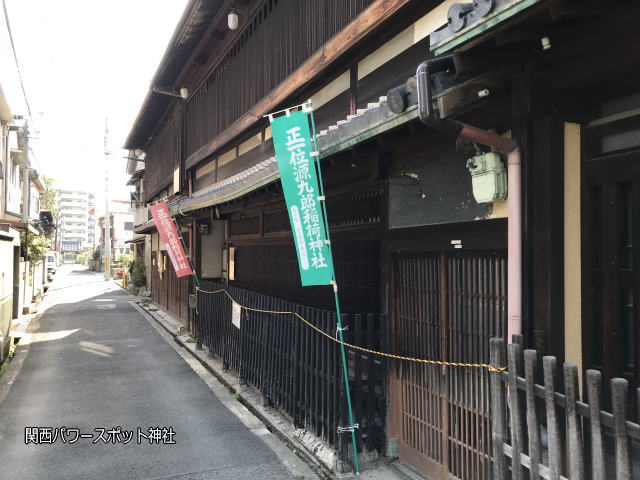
356, 347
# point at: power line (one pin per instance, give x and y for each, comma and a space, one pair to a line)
35, 158
15, 57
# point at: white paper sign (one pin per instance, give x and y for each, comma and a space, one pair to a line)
236, 313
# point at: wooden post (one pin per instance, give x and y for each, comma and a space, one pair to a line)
498, 421
619, 389
594, 391
576, 462
519, 339
530, 361
514, 351
555, 442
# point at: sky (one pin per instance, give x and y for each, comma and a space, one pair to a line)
83, 61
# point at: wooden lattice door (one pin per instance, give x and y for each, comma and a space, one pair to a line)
611, 301
446, 307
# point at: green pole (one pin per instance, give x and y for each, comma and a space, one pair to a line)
356, 465
345, 368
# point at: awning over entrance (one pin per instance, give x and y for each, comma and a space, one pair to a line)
70, 246
135, 240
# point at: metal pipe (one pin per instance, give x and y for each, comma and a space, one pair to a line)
514, 240
490, 139
425, 101
505, 145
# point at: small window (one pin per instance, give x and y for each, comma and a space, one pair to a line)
128, 226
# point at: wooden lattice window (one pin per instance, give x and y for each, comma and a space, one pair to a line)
245, 225
355, 209
277, 221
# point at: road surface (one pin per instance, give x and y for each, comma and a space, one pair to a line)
94, 379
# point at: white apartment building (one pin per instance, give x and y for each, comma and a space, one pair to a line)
121, 227
76, 220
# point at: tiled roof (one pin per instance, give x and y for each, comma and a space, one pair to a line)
365, 120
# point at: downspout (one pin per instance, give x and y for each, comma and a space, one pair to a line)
504, 145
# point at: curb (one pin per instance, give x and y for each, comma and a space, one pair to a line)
288, 440
22, 325
14, 365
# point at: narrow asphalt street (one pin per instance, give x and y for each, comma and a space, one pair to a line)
94, 373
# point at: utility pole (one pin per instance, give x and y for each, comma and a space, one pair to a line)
107, 215
23, 144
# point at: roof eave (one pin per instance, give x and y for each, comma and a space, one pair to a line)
177, 33
5, 111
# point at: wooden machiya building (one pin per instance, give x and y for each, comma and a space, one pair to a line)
492, 190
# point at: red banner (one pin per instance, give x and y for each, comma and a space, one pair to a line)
169, 235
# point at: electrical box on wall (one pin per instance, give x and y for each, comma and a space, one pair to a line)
204, 228
488, 177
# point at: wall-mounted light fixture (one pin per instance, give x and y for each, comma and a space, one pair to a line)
233, 19
184, 92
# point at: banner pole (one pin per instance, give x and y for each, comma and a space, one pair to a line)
184, 245
352, 426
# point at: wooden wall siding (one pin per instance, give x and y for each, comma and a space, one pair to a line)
276, 221
392, 74
245, 225
279, 38
273, 269
221, 171
266, 260
357, 209
361, 205
170, 292
332, 111
163, 157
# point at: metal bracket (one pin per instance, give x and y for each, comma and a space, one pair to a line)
348, 429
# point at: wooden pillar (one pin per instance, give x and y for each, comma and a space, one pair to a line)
572, 247
540, 137
547, 234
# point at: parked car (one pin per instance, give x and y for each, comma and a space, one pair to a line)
51, 263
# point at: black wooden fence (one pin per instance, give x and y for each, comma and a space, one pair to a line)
547, 431
298, 370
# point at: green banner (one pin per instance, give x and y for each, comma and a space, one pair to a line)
297, 166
